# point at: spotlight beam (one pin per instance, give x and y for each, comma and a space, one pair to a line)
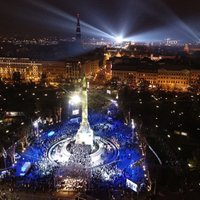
89, 28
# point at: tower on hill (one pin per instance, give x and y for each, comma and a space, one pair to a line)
78, 28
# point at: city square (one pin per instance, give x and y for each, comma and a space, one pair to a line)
110, 163
99, 100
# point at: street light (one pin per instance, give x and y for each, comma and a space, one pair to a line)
132, 123
75, 99
36, 126
190, 165
74, 105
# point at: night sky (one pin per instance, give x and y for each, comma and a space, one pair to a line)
145, 18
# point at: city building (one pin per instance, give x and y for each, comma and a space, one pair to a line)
173, 79
178, 78
194, 76
27, 70
149, 75
73, 70
90, 67
54, 71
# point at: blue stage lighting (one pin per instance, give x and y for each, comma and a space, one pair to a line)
51, 133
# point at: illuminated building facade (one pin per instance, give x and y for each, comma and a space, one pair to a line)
125, 76
28, 70
90, 67
176, 79
147, 75
73, 70
194, 76
55, 71
69, 70
173, 79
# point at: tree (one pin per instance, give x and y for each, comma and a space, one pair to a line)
144, 84
23, 136
194, 162
3, 153
125, 95
11, 153
43, 79
16, 77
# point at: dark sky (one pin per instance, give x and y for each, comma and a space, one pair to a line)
130, 17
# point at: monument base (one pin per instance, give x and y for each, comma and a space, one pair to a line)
84, 135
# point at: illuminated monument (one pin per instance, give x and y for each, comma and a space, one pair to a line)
85, 133
83, 148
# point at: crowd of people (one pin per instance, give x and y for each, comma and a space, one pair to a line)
43, 172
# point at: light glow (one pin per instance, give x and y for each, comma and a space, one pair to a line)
51, 133
119, 39
35, 124
75, 99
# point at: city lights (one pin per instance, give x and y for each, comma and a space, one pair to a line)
190, 165
100, 100
75, 99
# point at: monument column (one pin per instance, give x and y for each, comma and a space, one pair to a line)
84, 97
85, 133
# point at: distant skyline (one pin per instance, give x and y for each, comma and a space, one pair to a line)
139, 19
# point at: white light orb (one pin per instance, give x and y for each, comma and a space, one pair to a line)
75, 99
35, 124
119, 39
